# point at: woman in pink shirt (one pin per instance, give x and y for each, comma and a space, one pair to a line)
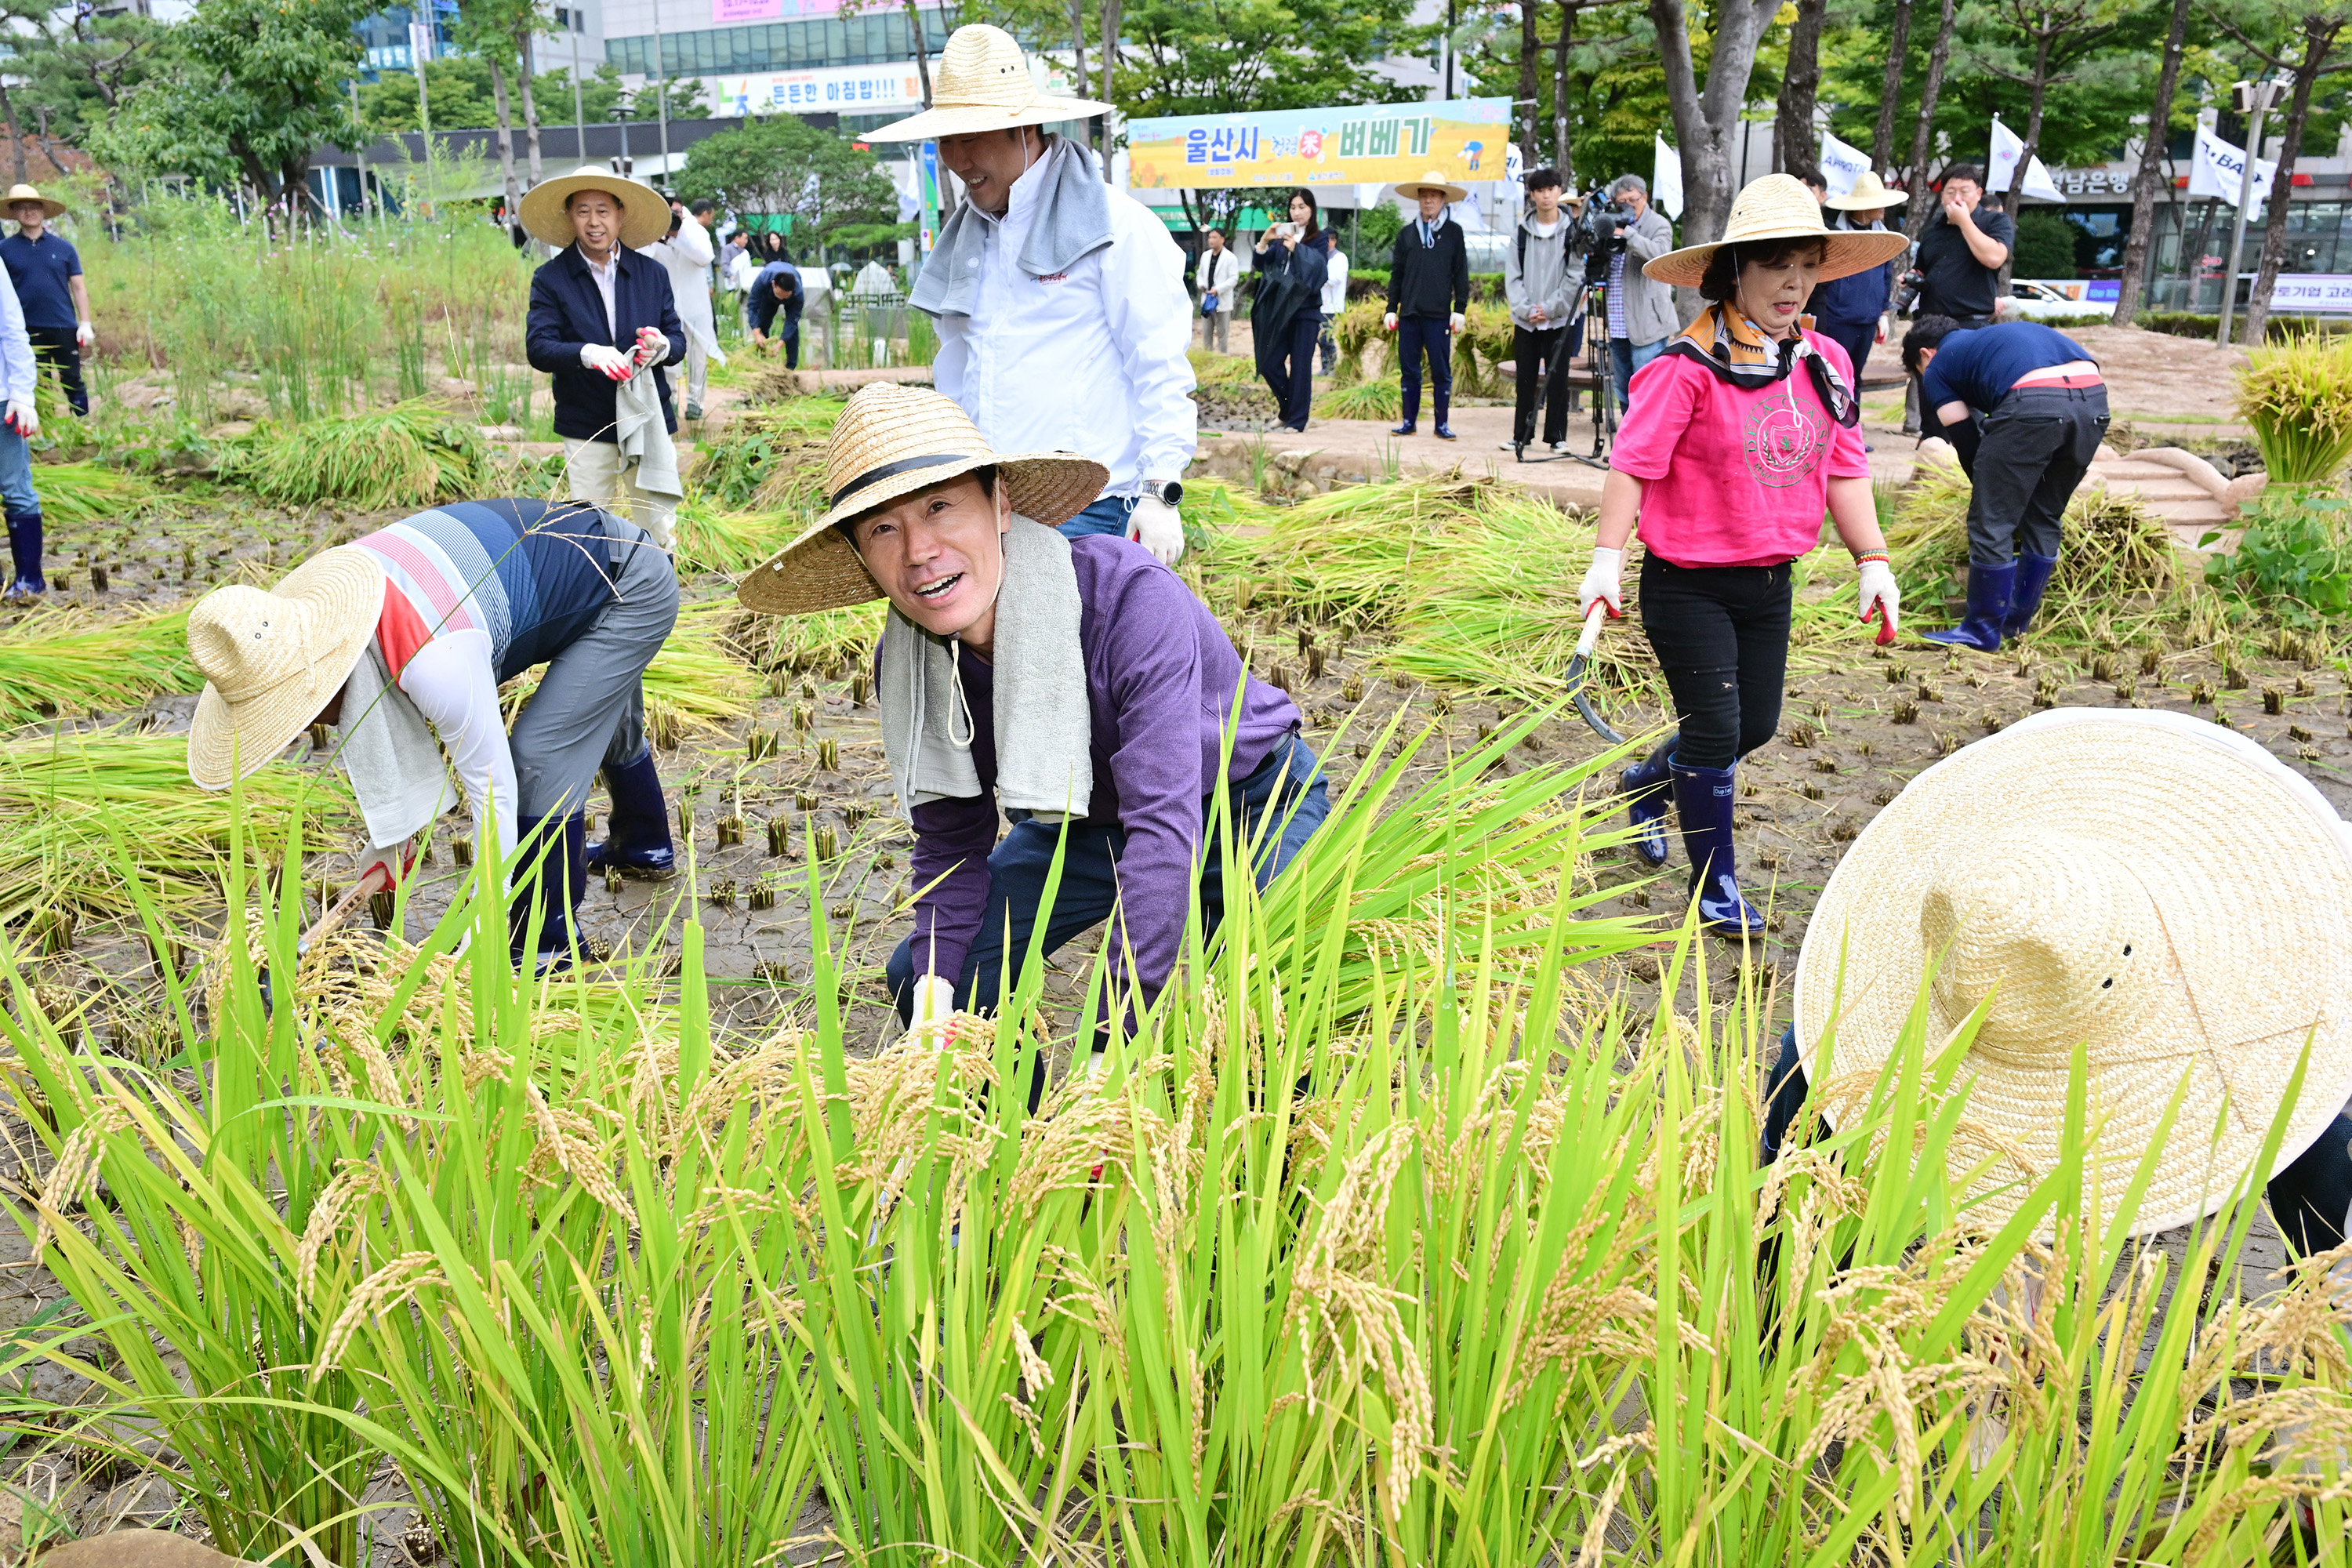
1747, 429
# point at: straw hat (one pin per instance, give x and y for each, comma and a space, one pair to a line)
2150, 887
1410, 190
1869, 195
271, 658
645, 215
891, 441
981, 83
1778, 206
50, 205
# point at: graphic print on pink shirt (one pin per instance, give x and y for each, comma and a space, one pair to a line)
1785, 439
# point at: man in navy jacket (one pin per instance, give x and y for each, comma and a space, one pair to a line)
600, 314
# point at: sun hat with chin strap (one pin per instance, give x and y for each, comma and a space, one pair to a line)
981, 83
1777, 208
2153, 889
1410, 190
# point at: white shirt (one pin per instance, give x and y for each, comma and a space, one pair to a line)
452, 684
740, 268
17, 376
686, 257
1091, 360
603, 276
1222, 274
1335, 283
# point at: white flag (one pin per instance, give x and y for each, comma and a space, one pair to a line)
2007, 145
1840, 165
2219, 169
1667, 178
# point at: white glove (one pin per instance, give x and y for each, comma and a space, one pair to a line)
934, 1004
1454, 322
1155, 525
1879, 588
1602, 582
21, 419
1388, 322
611, 361
392, 859
652, 346
85, 335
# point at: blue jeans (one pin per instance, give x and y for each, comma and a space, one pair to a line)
1288, 787
17, 473
1106, 515
1627, 357
1416, 335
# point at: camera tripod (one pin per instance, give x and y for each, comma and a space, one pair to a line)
1591, 325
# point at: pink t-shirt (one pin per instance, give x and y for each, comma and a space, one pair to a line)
1735, 477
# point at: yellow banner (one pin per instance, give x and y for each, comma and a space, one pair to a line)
1461, 140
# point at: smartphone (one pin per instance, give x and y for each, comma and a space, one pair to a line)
1282, 231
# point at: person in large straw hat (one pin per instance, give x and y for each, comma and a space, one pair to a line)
604, 322
1743, 430
45, 269
407, 634
1429, 291
1850, 311
1062, 314
2184, 918
1076, 683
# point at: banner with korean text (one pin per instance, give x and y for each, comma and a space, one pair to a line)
1462, 140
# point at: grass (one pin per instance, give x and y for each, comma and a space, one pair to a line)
415, 454
63, 660
1399, 1235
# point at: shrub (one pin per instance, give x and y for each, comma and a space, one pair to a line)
2293, 559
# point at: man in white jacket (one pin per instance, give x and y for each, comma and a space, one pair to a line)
1221, 278
686, 254
1061, 303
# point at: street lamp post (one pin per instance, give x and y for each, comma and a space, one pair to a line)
621, 114
2253, 100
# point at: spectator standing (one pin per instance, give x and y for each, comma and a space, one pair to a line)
1221, 283
1541, 290
18, 425
1063, 319
46, 271
777, 291
601, 316
1429, 289
1641, 309
737, 268
1850, 311
685, 253
1961, 252
1335, 300
1287, 317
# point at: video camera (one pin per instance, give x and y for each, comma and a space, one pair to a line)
1600, 234
1906, 291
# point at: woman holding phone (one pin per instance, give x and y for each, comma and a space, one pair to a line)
1293, 260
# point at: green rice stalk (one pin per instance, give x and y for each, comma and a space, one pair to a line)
74, 495
1364, 400
833, 642
411, 454
727, 542
2297, 397
62, 661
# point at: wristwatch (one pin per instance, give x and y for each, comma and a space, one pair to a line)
1169, 491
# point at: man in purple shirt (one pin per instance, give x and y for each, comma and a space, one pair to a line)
1077, 684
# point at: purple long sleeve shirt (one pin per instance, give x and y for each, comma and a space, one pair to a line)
1159, 689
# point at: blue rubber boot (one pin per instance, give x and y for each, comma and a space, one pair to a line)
24, 553
553, 849
1703, 798
1991, 591
1649, 795
638, 845
2032, 579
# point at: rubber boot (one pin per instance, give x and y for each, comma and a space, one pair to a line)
638, 842
1991, 589
1649, 794
1703, 798
25, 551
2032, 581
554, 849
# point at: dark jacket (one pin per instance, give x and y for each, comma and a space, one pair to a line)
1433, 280
764, 305
567, 314
1857, 301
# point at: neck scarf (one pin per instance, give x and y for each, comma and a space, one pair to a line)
1428, 236
1739, 354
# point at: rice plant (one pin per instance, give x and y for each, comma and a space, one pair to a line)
64, 661
2297, 398
693, 683
727, 542
410, 454
1363, 400
769, 460
74, 495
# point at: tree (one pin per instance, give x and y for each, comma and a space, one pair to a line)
780, 165
2150, 170
1890, 87
1914, 179
459, 86
1707, 120
2059, 36
483, 30
1794, 140
245, 91
2301, 38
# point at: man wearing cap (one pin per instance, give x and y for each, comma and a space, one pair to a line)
604, 322
1850, 311
2025, 408
686, 255
1063, 318
46, 271
1429, 289
1071, 681
403, 638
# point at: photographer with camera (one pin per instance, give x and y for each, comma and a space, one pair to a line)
1624, 235
1541, 287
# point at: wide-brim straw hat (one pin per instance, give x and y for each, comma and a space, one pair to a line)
645, 214
981, 83
50, 205
272, 657
891, 441
1869, 195
1778, 206
1410, 190
2148, 886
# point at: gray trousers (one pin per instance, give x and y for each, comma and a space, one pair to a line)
589, 712
1216, 331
